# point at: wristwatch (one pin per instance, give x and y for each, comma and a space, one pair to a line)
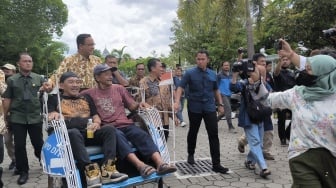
221, 104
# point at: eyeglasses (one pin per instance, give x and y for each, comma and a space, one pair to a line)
93, 44
140, 69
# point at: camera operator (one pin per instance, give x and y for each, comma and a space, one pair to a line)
260, 60
254, 131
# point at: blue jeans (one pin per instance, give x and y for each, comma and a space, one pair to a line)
254, 135
179, 112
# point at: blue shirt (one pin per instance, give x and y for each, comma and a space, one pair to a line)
202, 86
224, 81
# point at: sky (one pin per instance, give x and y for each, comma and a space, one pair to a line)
141, 25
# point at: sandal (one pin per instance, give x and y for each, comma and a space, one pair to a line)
165, 168
249, 165
146, 171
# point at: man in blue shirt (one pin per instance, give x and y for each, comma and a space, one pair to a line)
224, 80
203, 90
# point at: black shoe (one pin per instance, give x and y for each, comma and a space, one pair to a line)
283, 142
23, 178
220, 169
16, 172
12, 165
191, 159
264, 173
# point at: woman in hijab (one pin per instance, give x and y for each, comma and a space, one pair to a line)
312, 146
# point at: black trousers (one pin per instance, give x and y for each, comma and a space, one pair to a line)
282, 116
210, 120
20, 136
105, 137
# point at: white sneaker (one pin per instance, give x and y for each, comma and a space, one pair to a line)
183, 124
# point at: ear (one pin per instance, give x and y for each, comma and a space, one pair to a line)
61, 85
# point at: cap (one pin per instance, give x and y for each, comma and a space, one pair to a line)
67, 75
101, 68
9, 66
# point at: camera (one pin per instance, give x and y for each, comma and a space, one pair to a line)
133, 91
329, 32
277, 45
241, 50
244, 66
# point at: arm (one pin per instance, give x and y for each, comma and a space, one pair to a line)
122, 81
277, 68
288, 52
177, 99
3, 85
6, 104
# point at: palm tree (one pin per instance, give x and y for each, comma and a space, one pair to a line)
118, 53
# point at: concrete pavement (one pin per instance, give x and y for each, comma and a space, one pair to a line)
230, 157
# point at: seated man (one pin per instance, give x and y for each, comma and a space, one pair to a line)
76, 111
110, 100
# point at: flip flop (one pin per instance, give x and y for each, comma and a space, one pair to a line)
146, 171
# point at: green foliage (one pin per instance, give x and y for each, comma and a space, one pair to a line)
301, 20
29, 25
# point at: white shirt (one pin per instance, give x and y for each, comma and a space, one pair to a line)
313, 123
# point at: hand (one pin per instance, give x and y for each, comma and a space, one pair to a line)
53, 116
176, 106
220, 110
95, 126
144, 105
47, 87
286, 49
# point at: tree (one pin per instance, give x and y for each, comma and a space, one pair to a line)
297, 21
29, 25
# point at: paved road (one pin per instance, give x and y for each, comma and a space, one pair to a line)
230, 157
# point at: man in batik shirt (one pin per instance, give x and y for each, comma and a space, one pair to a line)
156, 95
81, 63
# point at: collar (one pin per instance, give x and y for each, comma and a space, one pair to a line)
71, 97
22, 75
152, 78
82, 58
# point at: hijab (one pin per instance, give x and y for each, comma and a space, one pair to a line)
324, 67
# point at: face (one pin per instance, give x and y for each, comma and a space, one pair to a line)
178, 72
112, 62
226, 66
87, 48
202, 60
157, 70
25, 63
71, 86
308, 69
285, 62
105, 78
8, 72
269, 67
140, 70
261, 61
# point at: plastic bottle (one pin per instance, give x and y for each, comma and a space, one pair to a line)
89, 130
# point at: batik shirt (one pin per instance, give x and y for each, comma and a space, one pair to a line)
157, 96
81, 66
313, 122
3, 87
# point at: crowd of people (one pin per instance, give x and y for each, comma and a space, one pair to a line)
96, 90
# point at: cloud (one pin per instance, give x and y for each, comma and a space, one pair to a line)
143, 26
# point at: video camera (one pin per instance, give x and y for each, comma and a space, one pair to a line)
243, 66
328, 33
